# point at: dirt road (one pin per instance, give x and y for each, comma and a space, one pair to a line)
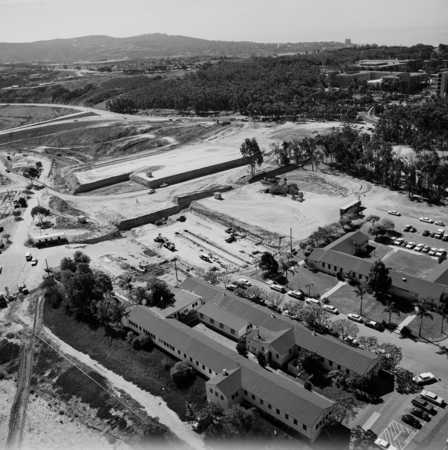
20, 404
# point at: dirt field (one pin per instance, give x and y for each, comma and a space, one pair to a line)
16, 116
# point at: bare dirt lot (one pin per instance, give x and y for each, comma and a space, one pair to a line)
16, 116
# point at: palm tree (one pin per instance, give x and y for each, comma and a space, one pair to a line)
125, 282
443, 310
390, 308
422, 311
360, 291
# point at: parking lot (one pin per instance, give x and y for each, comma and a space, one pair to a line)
398, 435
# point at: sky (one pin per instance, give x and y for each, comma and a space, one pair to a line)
384, 22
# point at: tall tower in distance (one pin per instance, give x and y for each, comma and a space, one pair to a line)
348, 42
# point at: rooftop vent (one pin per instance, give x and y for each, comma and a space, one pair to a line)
224, 372
404, 279
273, 316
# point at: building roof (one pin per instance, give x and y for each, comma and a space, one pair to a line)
360, 361
227, 384
424, 288
348, 242
222, 316
281, 392
349, 263
182, 299
284, 341
439, 274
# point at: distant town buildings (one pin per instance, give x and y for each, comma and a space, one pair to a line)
440, 83
348, 42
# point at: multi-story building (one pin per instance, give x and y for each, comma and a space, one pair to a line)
440, 83
233, 378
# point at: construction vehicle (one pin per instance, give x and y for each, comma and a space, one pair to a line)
169, 245
205, 257
159, 238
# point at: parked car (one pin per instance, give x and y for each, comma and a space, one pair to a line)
34, 262
425, 233
423, 404
296, 294
371, 324
438, 236
419, 247
381, 443
421, 414
163, 185
7, 171
411, 420
424, 378
398, 241
245, 282
432, 234
231, 286
411, 245
412, 230
426, 219
230, 239
426, 249
229, 230
440, 252
439, 223
278, 287
407, 227
394, 213
355, 318
352, 341
312, 301
331, 308
433, 398
433, 251
445, 238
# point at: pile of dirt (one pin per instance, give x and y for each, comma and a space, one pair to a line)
63, 207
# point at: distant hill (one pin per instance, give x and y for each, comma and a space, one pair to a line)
100, 48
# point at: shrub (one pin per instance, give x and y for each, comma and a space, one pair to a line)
166, 364
308, 386
142, 342
182, 373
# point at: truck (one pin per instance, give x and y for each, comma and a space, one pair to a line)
204, 257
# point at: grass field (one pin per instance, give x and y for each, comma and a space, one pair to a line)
431, 328
318, 282
411, 263
142, 368
346, 301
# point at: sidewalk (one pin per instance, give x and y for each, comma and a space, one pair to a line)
333, 289
405, 322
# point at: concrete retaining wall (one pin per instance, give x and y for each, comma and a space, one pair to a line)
183, 202
86, 187
186, 176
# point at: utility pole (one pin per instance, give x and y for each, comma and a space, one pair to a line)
175, 268
290, 233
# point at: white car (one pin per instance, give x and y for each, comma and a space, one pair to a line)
432, 252
312, 301
439, 223
426, 219
433, 398
411, 245
245, 282
381, 443
355, 318
278, 287
296, 294
440, 252
398, 241
424, 378
394, 213
34, 262
331, 308
419, 247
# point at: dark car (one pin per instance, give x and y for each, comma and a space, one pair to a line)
421, 414
412, 230
411, 420
231, 239
432, 234
425, 233
423, 404
445, 238
229, 230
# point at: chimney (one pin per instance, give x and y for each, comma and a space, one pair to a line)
272, 315
224, 372
404, 279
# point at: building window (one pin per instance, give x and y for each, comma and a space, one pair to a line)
269, 406
360, 276
253, 397
276, 355
222, 398
221, 325
212, 321
210, 370
197, 363
211, 390
201, 315
245, 392
203, 367
262, 349
216, 394
232, 330
304, 427
347, 371
261, 401
295, 422
339, 366
323, 264
277, 411
286, 416
191, 359
178, 352
185, 355
289, 350
330, 362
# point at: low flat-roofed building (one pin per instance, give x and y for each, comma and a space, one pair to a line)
184, 303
